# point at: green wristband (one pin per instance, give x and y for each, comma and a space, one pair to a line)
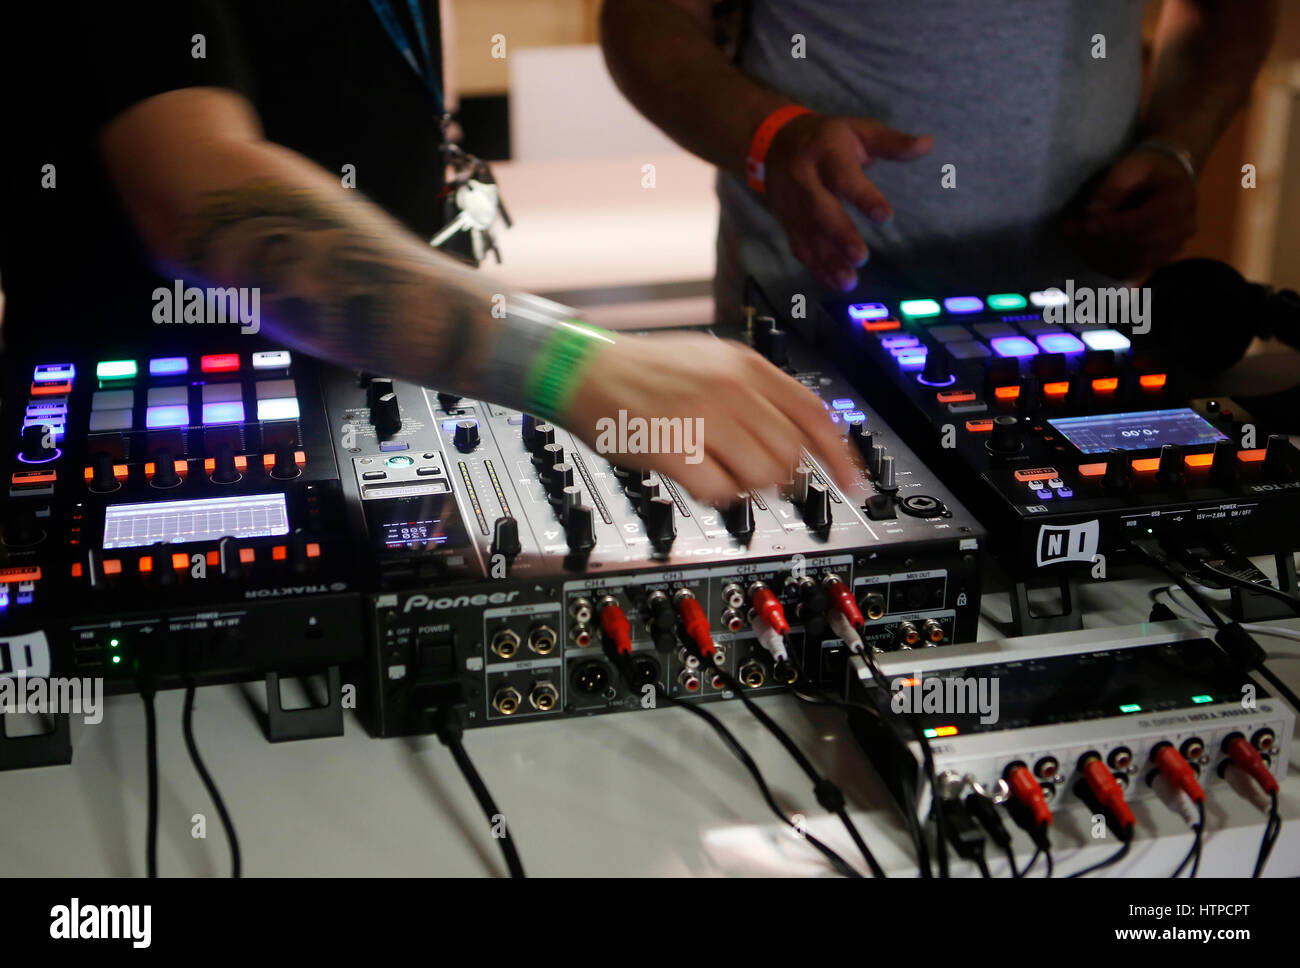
552, 378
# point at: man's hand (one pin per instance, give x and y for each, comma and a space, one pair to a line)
753, 418
813, 166
1139, 217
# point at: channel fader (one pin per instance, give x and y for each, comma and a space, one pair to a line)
507, 557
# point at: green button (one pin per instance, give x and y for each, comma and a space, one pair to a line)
918, 308
1006, 300
399, 461
115, 369
1130, 708
1202, 699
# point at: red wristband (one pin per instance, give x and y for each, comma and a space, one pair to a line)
756, 163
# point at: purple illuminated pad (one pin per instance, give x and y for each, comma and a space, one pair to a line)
1060, 343
171, 415
168, 366
894, 342
963, 304
1014, 346
913, 357
867, 311
226, 412
53, 373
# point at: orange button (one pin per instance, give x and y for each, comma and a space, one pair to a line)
34, 477
1152, 381
956, 396
51, 389
1092, 470
112, 566
982, 426
241, 464
1105, 384
1007, 393
313, 549
150, 469
1198, 460
279, 553
1037, 474
214, 558
1250, 456
180, 561
146, 564
76, 569
246, 556
32, 573
879, 325
1058, 388
1146, 465
182, 467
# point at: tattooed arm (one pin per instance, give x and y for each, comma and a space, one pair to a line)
341, 280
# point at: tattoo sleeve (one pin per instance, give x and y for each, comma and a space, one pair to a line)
342, 281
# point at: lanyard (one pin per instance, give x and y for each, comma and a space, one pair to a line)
426, 73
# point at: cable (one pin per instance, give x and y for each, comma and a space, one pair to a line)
1240, 582
1272, 830
151, 770
1113, 859
1194, 854
1038, 852
449, 729
909, 816
187, 727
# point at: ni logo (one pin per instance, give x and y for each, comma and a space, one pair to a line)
1078, 542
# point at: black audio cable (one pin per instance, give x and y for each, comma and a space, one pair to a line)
1110, 861
1234, 640
1198, 838
985, 811
187, 727
829, 796
1269, 590
820, 698
1112, 810
151, 768
964, 834
450, 731
1272, 830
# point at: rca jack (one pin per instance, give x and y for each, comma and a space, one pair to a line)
544, 697
506, 700
505, 643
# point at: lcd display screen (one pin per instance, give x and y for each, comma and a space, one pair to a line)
174, 522
1142, 430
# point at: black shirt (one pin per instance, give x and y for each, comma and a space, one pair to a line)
324, 76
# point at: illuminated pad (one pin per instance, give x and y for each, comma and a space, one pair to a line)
169, 366
1060, 343
54, 373
175, 522
278, 408
1048, 297
1014, 346
960, 305
219, 363
115, 370
271, 360
1005, 301
226, 412
894, 342
918, 308
157, 418
865, 311
1105, 339
168, 396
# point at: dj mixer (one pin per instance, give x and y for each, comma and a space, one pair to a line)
1069, 440
174, 517
505, 554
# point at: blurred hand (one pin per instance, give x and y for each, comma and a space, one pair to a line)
1138, 218
755, 417
813, 166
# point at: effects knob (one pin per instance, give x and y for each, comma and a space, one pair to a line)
224, 470
543, 434
567, 498
228, 555
580, 528
626, 474
740, 517
863, 439
375, 389
164, 472
649, 491
1005, 435
1223, 465
803, 479
938, 367
101, 473
1277, 457
547, 456
874, 459
817, 506
285, 466
1169, 472
448, 401
505, 537
1116, 477
887, 480
38, 443
386, 415
557, 477
659, 522
465, 437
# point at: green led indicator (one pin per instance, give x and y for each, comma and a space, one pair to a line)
1005, 300
116, 659
931, 733
918, 308
1200, 699
115, 369
113, 643
1130, 708
400, 461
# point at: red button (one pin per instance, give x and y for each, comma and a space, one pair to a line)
880, 325
219, 363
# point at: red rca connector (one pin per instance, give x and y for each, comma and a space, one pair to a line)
764, 601
1107, 790
1027, 791
1178, 771
614, 623
842, 600
696, 623
1246, 757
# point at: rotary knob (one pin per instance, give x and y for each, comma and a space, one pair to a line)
386, 415
803, 479
1169, 472
580, 529
543, 434
102, 478
528, 429
740, 517
286, 463
164, 474
547, 456
448, 401
659, 522
1223, 465
38, 443
466, 435
375, 389
228, 558
778, 347
874, 459
1277, 457
505, 537
1116, 477
565, 499
863, 439
557, 477
224, 470
648, 491
22, 530
938, 367
1004, 438
886, 481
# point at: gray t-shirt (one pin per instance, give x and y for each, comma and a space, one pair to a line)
1016, 99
